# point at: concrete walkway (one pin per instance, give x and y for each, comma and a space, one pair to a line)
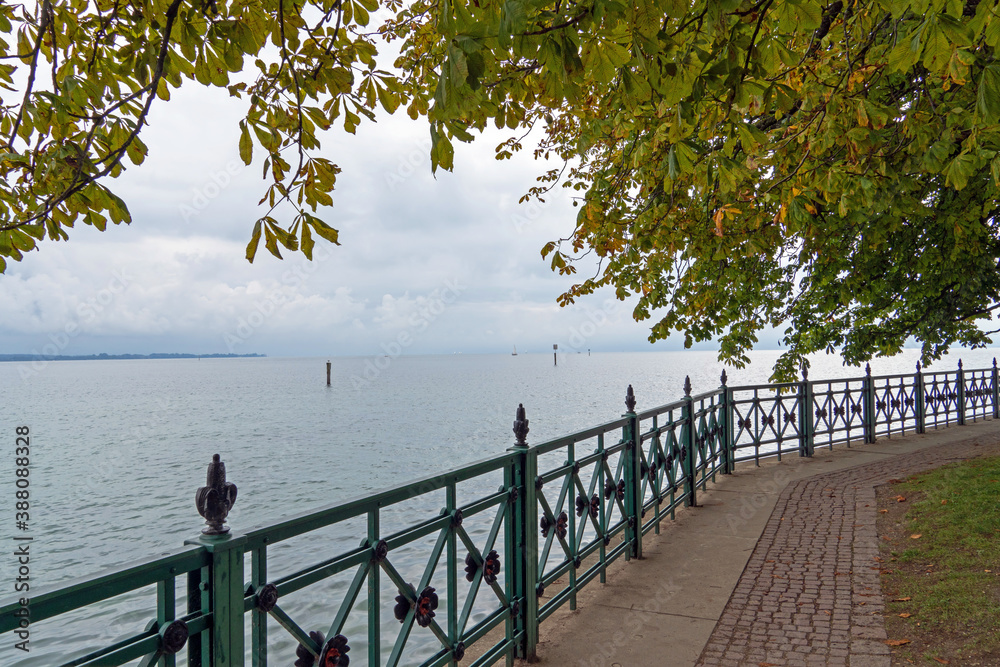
775, 566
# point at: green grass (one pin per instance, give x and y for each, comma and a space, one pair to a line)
952, 571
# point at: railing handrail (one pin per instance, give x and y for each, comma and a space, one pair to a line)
50, 601
309, 520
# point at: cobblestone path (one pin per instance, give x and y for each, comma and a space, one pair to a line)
810, 593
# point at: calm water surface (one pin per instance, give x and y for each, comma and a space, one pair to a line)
119, 447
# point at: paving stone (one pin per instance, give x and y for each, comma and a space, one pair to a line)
801, 593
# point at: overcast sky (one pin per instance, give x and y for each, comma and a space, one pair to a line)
441, 265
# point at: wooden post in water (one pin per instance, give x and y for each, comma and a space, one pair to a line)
327, 372
555, 361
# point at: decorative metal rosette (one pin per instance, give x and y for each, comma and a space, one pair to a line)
471, 567
491, 567
427, 602
610, 489
304, 655
173, 637
545, 524
424, 607
267, 597
334, 654
561, 524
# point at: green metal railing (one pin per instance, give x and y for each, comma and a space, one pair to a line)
492, 564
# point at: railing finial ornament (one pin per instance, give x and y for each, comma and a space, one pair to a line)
959, 364
216, 498
520, 427
630, 399
805, 373
868, 369
918, 366
724, 378
994, 362
687, 385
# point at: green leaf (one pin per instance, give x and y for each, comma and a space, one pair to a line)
326, 231
118, 210
959, 170
808, 13
246, 144
271, 242
673, 169
513, 21
991, 33
136, 151
988, 97
361, 14
97, 220
388, 99
442, 152
307, 241
957, 32
476, 66
21, 240
254, 242
995, 170
902, 57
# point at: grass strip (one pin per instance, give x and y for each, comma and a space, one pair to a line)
940, 551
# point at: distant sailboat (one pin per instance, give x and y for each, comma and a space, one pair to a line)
514, 353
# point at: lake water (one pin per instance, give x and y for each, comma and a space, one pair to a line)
119, 447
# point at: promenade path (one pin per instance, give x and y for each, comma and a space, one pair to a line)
776, 566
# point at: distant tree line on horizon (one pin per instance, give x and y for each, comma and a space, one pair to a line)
105, 356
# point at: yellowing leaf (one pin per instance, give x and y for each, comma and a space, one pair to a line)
254, 242
246, 144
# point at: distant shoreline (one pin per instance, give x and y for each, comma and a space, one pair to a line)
106, 357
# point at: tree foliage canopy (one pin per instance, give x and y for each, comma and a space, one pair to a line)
830, 167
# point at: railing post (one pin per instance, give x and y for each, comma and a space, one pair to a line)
687, 445
868, 404
996, 391
961, 394
633, 476
225, 577
198, 600
522, 541
725, 410
806, 444
920, 411
258, 617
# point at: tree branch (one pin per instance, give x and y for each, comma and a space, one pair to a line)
46, 17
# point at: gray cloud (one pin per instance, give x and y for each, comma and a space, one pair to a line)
405, 235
